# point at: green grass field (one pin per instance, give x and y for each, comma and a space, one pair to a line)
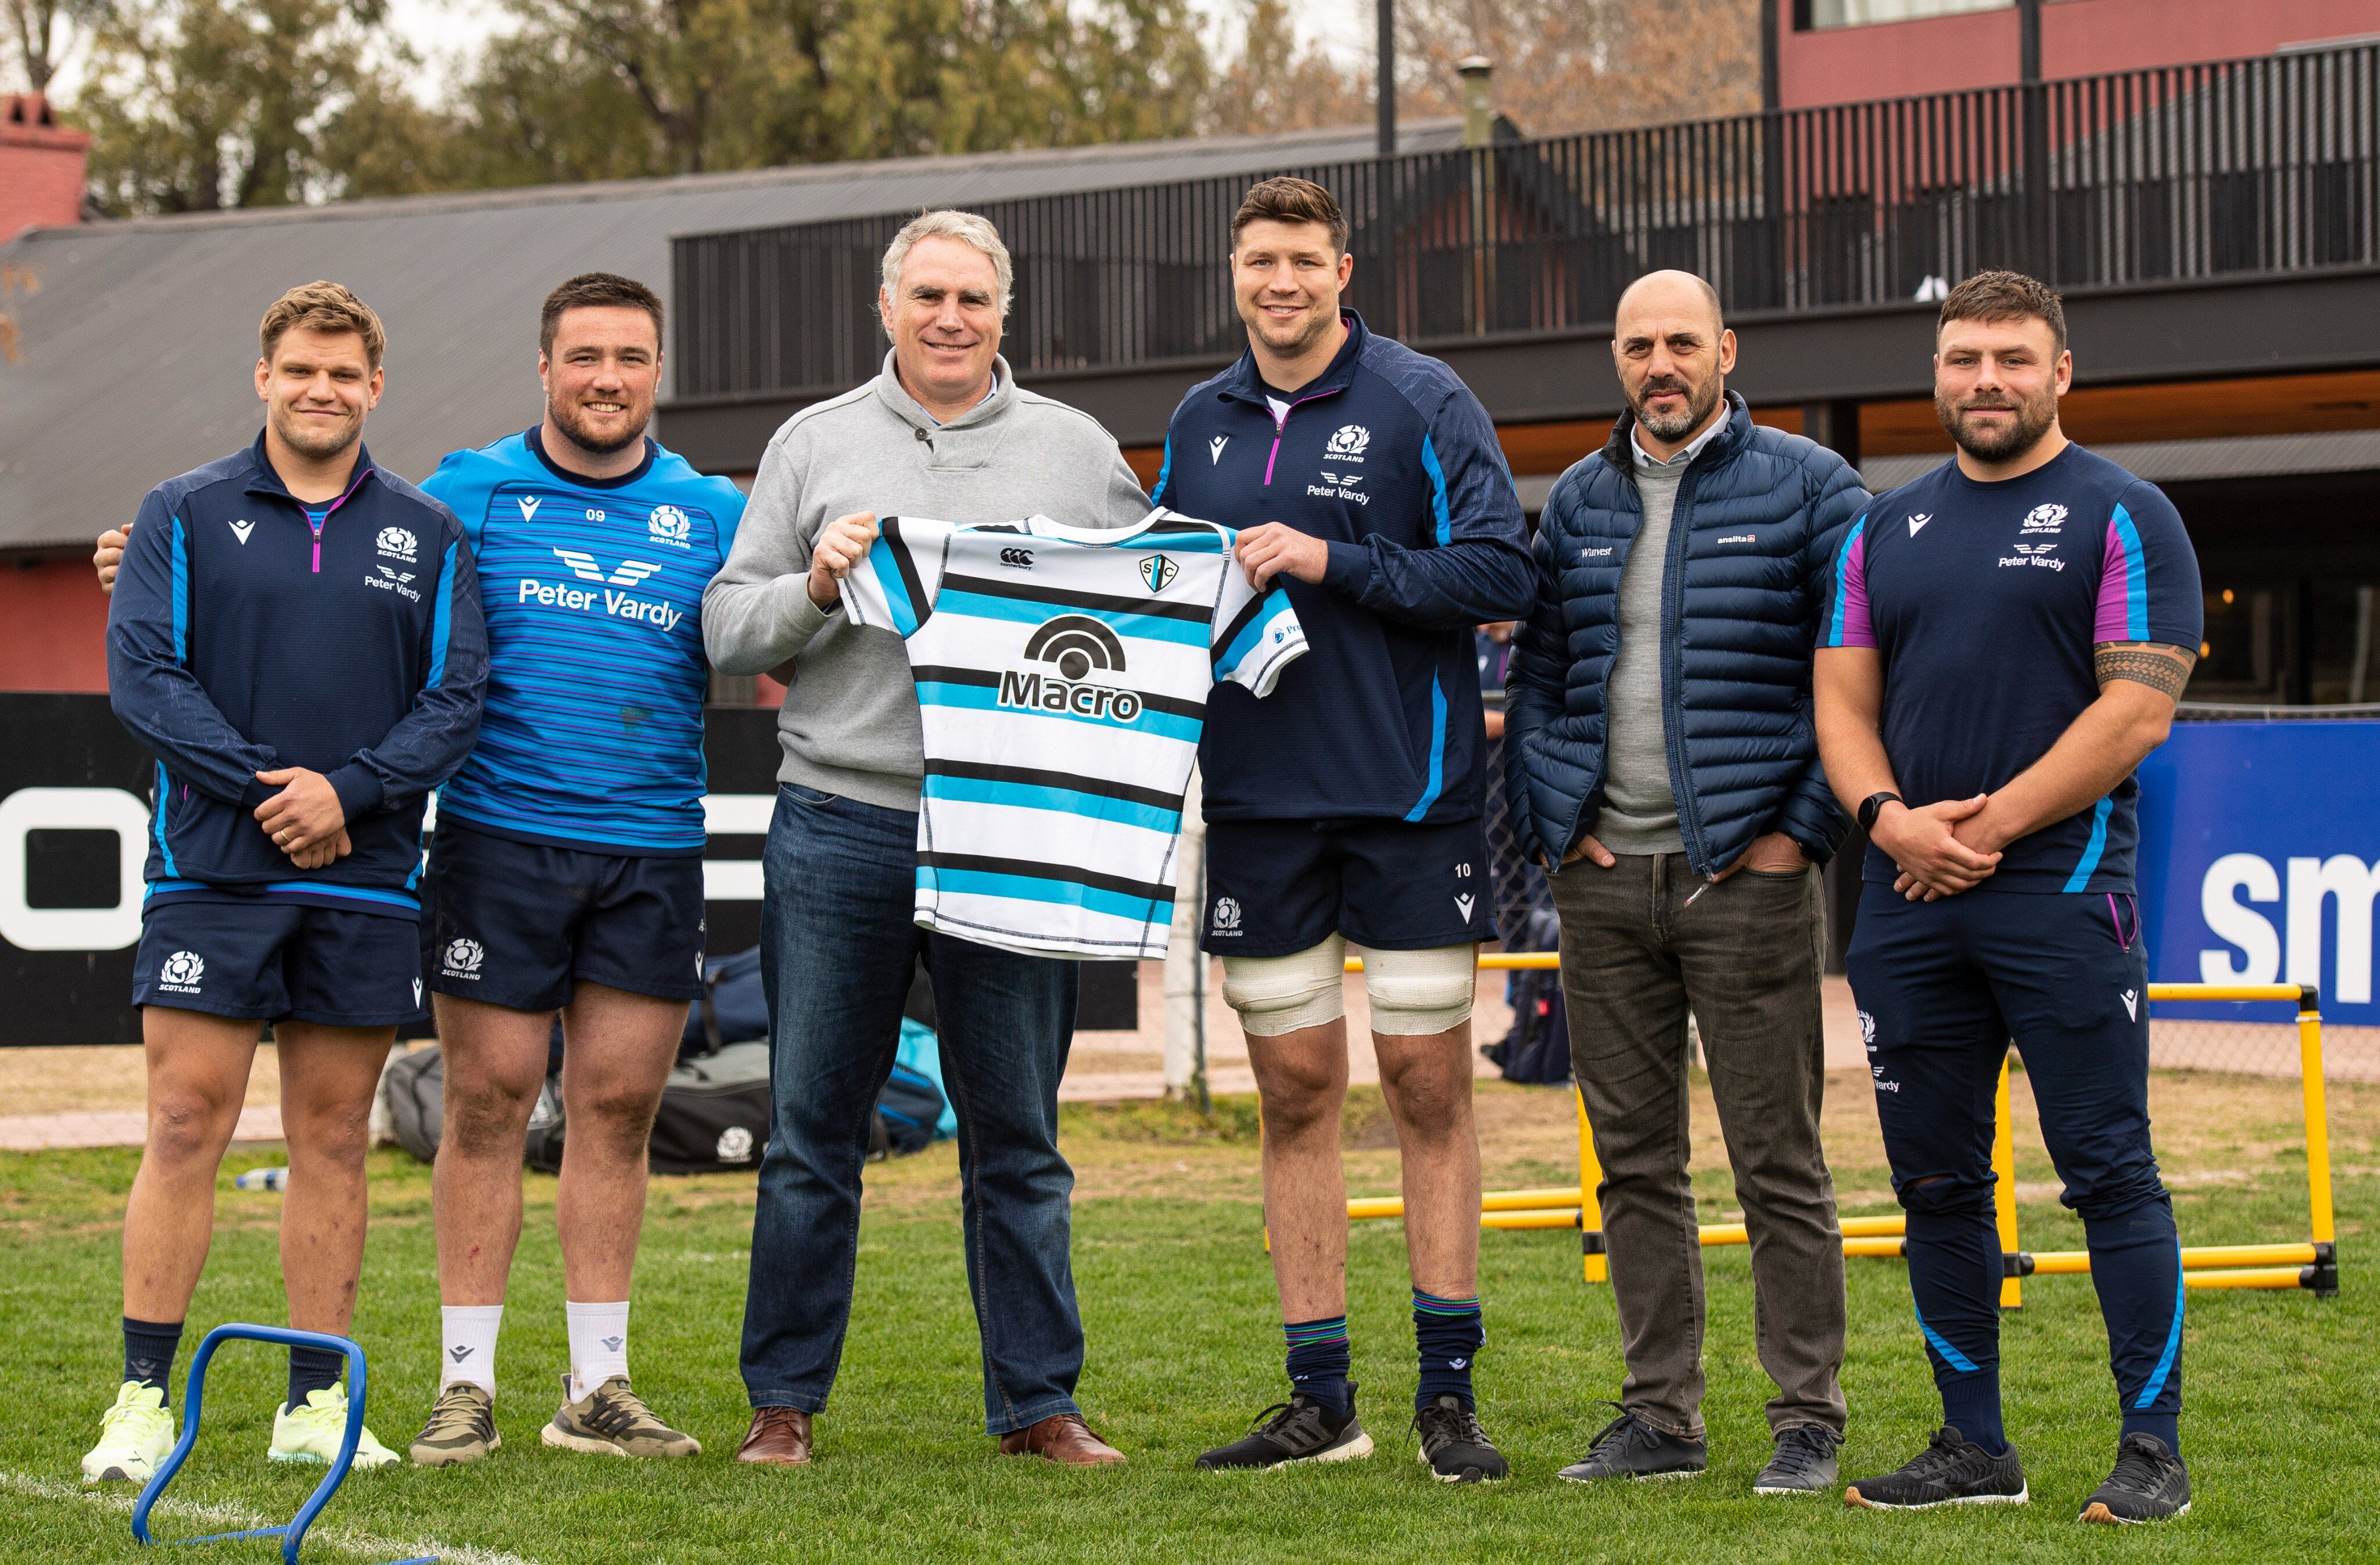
1185, 1347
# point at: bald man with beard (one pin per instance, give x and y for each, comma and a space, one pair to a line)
1662, 761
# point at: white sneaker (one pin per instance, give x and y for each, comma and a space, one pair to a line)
313, 1433
134, 1437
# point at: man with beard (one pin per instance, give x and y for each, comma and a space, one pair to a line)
2007, 639
566, 871
1661, 762
1346, 809
298, 642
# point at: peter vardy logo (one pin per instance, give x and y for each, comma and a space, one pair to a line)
1159, 571
182, 972
528, 507
397, 543
646, 611
462, 958
242, 528
390, 579
1918, 521
672, 525
584, 567
1347, 444
1215, 449
2035, 555
1227, 916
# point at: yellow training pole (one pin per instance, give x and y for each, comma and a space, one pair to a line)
2004, 1187
2317, 1116
1593, 1262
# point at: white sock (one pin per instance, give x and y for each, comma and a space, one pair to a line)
468, 1351
599, 1344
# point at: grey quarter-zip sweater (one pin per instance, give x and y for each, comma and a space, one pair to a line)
849, 724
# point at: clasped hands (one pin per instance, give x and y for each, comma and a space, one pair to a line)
305, 819
1941, 849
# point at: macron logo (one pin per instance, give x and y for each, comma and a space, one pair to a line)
242, 528
1918, 521
528, 507
2132, 1004
1215, 449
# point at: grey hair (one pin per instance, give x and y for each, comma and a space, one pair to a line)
947, 222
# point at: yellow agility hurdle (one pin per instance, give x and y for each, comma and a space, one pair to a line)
2312, 1265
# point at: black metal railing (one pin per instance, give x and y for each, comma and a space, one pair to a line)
2269, 164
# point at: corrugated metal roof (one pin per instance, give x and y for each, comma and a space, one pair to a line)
2182, 461
133, 353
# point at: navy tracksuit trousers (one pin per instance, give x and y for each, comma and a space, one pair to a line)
1942, 987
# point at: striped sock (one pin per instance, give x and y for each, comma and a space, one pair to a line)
1450, 1334
1319, 1359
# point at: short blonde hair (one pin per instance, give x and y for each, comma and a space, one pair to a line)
322, 307
964, 227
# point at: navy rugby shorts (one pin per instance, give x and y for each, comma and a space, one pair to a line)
520, 924
279, 960
1275, 888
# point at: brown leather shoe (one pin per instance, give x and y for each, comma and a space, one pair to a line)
1064, 1438
780, 1437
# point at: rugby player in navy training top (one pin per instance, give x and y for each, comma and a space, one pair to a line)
2005, 639
299, 641
1346, 808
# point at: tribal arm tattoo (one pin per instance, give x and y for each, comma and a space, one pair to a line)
2159, 666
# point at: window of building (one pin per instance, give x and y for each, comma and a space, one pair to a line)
1810, 16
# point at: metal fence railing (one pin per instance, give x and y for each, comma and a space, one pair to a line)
2261, 165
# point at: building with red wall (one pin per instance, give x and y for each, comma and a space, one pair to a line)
1850, 51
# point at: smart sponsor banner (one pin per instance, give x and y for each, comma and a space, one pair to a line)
74, 820
2259, 859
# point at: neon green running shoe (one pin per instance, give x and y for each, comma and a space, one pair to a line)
134, 1437
313, 1433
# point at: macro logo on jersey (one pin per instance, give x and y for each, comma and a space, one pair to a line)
593, 729
1062, 713
1078, 645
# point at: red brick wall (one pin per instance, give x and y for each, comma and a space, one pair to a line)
41, 167
52, 626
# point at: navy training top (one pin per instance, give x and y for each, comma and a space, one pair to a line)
248, 633
1986, 600
1389, 457
596, 678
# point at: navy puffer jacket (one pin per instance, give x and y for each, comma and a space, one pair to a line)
1758, 516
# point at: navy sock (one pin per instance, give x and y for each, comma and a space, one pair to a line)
311, 1370
1954, 1278
1319, 1360
1450, 1334
2136, 1268
148, 1350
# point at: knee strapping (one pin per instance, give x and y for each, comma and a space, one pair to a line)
1420, 993
1284, 994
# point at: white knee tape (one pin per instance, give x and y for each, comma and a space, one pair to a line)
1417, 993
1280, 994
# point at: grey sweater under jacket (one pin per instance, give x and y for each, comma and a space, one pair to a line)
849, 725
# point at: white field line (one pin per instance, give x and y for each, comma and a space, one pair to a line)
233, 1519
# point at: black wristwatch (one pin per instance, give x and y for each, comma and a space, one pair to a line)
1873, 806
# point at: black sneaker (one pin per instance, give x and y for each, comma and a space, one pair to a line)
1300, 1429
1453, 1447
1630, 1448
1804, 1462
2149, 1485
1953, 1470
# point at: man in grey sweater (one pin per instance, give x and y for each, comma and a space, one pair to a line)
944, 431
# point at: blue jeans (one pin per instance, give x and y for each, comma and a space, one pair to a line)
838, 952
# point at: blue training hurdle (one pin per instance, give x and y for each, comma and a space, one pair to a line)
292, 1532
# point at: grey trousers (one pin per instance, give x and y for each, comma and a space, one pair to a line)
1745, 956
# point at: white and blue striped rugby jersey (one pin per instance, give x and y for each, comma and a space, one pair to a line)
1063, 675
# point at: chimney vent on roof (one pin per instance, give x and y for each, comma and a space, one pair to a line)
41, 167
